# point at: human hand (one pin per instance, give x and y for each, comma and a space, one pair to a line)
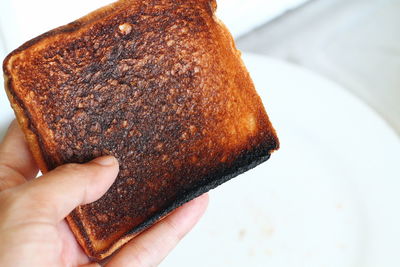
33, 231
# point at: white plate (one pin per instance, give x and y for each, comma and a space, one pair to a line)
242, 16
328, 197
6, 113
24, 19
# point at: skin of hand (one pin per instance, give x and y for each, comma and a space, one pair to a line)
33, 231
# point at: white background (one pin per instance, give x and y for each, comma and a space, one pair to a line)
329, 197
21, 20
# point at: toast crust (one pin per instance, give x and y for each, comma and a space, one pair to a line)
24, 122
227, 131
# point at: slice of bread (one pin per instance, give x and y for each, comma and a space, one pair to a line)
159, 85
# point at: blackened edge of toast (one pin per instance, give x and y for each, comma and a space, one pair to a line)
243, 163
73, 26
43, 159
68, 28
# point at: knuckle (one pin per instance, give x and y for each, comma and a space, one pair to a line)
78, 170
22, 207
6, 183
26, 199
9, 178
144, 258
5, 197
176, 235
13, 200
32, 202
71, 168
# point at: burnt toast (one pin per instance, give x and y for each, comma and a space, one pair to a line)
158, 84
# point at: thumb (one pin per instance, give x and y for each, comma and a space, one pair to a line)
54, 195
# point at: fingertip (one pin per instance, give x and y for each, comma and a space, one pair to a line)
91, 265
200, 203
14, 129
13, 124
205, 198
151, 246
109, 164
107, 169
106, 161
186, 216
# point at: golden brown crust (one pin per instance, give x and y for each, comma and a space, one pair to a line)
24, 123
161, 86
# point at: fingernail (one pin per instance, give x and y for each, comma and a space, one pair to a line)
105, 161
92, 265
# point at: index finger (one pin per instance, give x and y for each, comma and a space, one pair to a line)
16, 162
153, 245
53, 196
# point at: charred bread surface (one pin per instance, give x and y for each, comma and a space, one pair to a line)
158, 84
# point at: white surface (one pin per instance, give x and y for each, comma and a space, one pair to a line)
355, 43
329, 197
6, 113
242, 16
22, 20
